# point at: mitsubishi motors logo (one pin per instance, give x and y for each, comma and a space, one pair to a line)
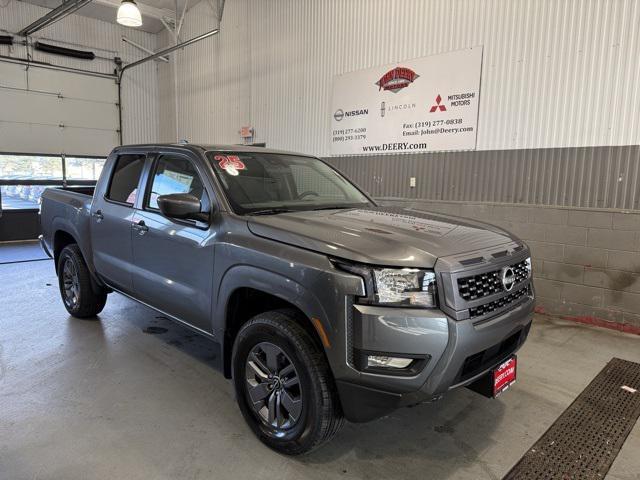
437, 106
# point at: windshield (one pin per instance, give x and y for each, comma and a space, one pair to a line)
276, 183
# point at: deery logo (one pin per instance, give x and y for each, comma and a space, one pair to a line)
396, 79
438, 106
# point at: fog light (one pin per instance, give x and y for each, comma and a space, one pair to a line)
379, 361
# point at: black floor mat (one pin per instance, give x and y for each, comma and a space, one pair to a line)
16, 252
585, 440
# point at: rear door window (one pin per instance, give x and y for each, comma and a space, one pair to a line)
123, 187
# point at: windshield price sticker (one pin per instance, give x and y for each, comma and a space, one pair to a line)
230, 164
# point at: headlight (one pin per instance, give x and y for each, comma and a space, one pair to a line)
401, 287
405, 287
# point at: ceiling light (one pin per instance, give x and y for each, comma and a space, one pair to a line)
129, 14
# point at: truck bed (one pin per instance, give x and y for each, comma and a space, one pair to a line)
81, 189
66, 209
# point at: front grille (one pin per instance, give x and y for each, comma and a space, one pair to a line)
490, 307
489, 283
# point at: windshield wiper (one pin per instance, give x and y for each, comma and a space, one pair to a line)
277, 210
334, 207
271, 211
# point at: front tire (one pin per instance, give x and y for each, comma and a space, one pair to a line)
283, 384
74, 279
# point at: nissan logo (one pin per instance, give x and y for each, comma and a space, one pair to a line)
339, 115
508, 278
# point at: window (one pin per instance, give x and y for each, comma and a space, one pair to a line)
23, 178
126, 176
175, 174
265, 181
310, 183
78, 168
30, 167
20, 197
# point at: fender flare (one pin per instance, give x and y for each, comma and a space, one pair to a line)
61, 224
285, 288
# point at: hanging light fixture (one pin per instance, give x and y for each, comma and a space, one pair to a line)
129, 14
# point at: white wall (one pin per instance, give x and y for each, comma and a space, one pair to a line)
139, 86
555, 73
214, 77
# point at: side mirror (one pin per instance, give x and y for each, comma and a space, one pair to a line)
181, 205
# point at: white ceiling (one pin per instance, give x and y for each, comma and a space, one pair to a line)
105, 10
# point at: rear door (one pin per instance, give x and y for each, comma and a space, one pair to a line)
111, 219
173, 259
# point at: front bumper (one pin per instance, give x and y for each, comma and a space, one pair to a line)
457, 351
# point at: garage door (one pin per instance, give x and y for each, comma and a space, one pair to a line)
53, 112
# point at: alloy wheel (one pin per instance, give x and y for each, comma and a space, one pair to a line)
273, 386
71, 284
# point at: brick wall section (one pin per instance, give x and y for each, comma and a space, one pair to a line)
586, 263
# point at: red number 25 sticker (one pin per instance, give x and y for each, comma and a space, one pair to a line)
230, 164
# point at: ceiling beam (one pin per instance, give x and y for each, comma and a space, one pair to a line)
66, 8
166, 51
144, 49
218, 8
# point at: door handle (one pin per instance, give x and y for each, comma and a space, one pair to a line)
140, 227
98, 215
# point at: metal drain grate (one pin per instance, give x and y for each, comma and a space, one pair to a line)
585, 440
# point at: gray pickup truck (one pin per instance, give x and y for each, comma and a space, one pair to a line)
326, 306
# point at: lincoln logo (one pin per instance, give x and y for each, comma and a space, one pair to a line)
508, 278
396, 79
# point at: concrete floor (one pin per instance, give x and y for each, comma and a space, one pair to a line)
101, 399
21, 251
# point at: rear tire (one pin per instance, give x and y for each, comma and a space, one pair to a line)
74, 280
283, 384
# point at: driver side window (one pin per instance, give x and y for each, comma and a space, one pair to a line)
175, 174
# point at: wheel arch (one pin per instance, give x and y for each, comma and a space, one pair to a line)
61, 239
247, 291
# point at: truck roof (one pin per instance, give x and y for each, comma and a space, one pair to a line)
212, 147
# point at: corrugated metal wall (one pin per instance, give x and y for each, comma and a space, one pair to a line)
214, 77
555, 73
557, 76
590, 177
140, 86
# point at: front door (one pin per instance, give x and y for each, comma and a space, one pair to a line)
111, 218
173, 259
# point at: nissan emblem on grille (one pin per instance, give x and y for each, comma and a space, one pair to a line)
508, 278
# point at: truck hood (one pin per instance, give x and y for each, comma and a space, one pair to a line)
388, 236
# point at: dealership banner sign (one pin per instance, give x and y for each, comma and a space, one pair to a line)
427, 104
